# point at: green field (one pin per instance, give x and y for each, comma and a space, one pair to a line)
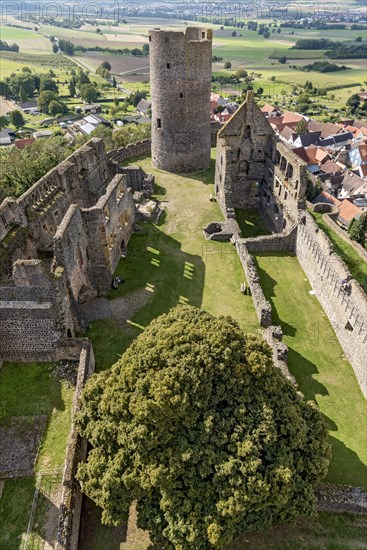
247, 50
27, 40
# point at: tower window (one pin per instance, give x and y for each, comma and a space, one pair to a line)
203, 35
181, 94
159, 123
168, 65
150, 38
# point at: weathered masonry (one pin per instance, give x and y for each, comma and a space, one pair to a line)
254, 170
60, 242
180, 77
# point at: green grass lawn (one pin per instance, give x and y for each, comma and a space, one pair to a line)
31, 390
251, 223
15, 507
355, 263
326, 532
317, 361
175, 263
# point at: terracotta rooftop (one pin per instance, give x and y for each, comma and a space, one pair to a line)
21, 143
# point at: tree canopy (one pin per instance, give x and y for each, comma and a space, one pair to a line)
196, 424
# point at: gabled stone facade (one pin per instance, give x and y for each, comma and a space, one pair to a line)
255, 170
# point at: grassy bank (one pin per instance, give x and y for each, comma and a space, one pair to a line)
356, 265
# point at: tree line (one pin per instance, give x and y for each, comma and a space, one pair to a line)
5, 47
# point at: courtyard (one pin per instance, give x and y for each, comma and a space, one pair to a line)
171, 263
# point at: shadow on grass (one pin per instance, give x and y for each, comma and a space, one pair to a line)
251, 223
95, 536
346, 465
154, 264
29, 390
204, 176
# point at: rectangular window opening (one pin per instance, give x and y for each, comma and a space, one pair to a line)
168, 65
150, 38
159, 123
203, 35
181, 95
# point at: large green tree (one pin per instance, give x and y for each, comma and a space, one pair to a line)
197, 425
16, 118
357, 229
88, 93
22, 168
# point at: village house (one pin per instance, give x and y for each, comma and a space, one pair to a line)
143, 107
347, 210
358, 155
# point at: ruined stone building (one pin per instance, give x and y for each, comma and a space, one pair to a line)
60, 242
180, 77
254, 170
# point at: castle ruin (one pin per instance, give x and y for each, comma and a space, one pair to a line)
180, 76
60, 243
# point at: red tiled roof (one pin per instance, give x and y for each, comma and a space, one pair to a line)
268, 109
289, 117
330, 167
348, 210
21, 143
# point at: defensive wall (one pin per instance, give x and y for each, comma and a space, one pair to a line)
330, 216
347, 312
134, 150
71, 499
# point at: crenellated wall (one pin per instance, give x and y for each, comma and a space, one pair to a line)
134, 150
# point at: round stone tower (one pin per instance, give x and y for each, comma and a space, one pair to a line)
180, 78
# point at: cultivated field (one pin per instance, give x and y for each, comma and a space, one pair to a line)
128, 68
27, 40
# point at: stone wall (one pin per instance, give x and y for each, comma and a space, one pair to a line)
262, 306
29, 328
71, 499
180, 78
109, 226
77, 219
134, 150
347, 313
279, 242
71, 255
